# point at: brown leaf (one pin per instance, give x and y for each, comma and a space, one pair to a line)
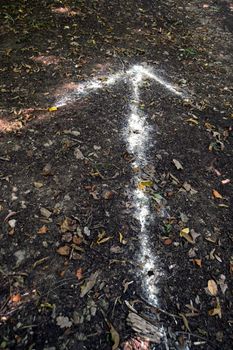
44, 229
15, 298
108, 195
185, 234
217, 311
198, 262
68, 225
216, 194
64, 250
212, 287
47, 170
167, 241
77, 240
89, 284
79, 274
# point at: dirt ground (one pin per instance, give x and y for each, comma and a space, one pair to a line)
69, 241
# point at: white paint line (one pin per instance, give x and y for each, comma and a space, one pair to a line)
148, 72
137, 135
85, 89
137, 72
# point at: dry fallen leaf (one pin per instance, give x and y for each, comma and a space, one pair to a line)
217, 311
38, 184
79, 274
186, 324
44, 229
77, 240
15, 298
64, 250
216, 194
47, 170
52, 109
142, 185
167, 241
102, 237
115, 337
178, 165
89, 284
193, 121
68, 225
212, 287
63, 322
197, 262
185, 234
103, 240
108, 195
78, 154
45, 212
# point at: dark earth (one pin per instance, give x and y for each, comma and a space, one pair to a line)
68, 238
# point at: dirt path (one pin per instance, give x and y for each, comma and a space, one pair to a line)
116, 175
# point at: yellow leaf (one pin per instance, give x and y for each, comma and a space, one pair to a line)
185, 234
52, 109
104, 240
120, 237
217, 311
68, 225
184, 231
212, 287
193, 121
216, 194
142, 185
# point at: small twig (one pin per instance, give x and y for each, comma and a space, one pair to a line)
158, 309
40, 261
195, 335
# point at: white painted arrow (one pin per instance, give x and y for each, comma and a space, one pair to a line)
137, 135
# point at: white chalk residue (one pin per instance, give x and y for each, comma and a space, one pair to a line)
137, 72
137, 134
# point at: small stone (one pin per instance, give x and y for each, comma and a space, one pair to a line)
45, 244
86, 231
78, 154
12, 223
14, 197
